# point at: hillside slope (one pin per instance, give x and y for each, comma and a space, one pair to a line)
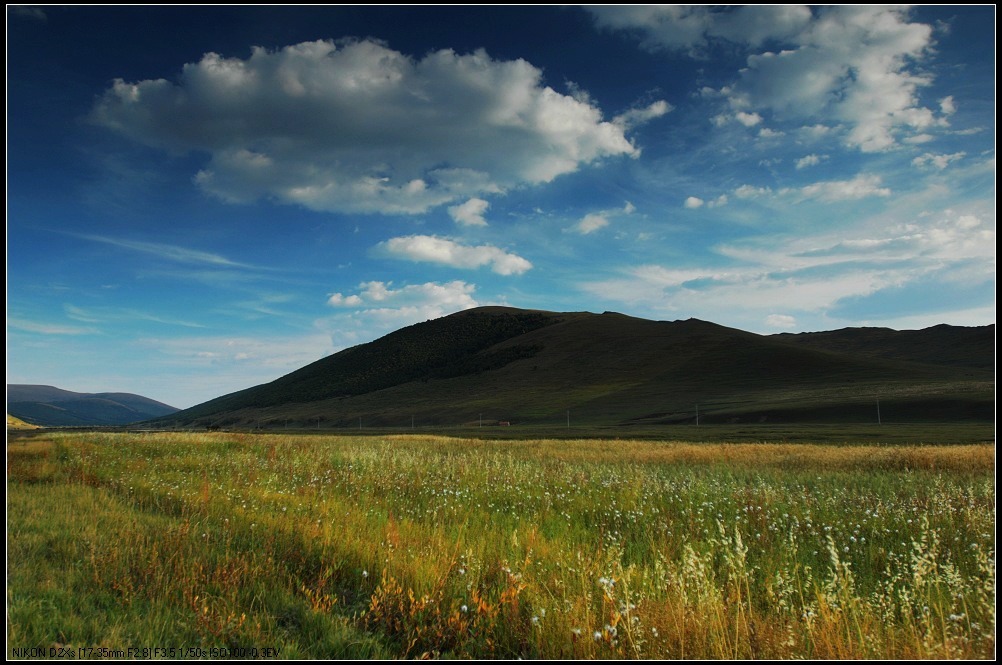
16, 423
54, 407
531, 367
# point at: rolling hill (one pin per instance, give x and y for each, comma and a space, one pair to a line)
53, 407
493, 364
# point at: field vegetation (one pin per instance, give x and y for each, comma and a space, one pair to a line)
420, 545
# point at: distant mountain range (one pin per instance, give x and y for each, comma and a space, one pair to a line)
53, 407
500, 364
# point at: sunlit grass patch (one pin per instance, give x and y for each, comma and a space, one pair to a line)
400, 546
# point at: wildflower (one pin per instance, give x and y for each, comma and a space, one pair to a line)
597, 635
464, 609
365, 573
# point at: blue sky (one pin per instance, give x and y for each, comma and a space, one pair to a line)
200, 200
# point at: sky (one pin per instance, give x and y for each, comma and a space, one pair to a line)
200, 200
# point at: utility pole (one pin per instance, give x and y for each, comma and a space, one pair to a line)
878, 411
568, 418
697, 415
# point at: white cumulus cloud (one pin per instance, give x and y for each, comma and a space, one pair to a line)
443, 251
854, 66
693, 202
354, 126
430, 296
470, 213
748, 119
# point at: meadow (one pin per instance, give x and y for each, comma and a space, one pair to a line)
333, 546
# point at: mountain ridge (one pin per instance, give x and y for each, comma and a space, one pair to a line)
55, 407
535, 366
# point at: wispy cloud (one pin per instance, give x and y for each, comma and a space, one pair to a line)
173, 253
782, 321
860, 187
810, 160
105, 315
813, 275
937, 161
31, 13
640, 116
49, 328
600, 219
590, 223
271, 354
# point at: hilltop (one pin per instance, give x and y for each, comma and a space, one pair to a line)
532, 367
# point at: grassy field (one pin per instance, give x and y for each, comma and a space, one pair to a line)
410, 545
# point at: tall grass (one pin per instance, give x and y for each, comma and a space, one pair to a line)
407, 546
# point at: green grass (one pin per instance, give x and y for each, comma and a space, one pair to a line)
832, 433
401, 546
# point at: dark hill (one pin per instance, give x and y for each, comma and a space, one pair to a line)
439, 349
957, 346
54, 407
533, 367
